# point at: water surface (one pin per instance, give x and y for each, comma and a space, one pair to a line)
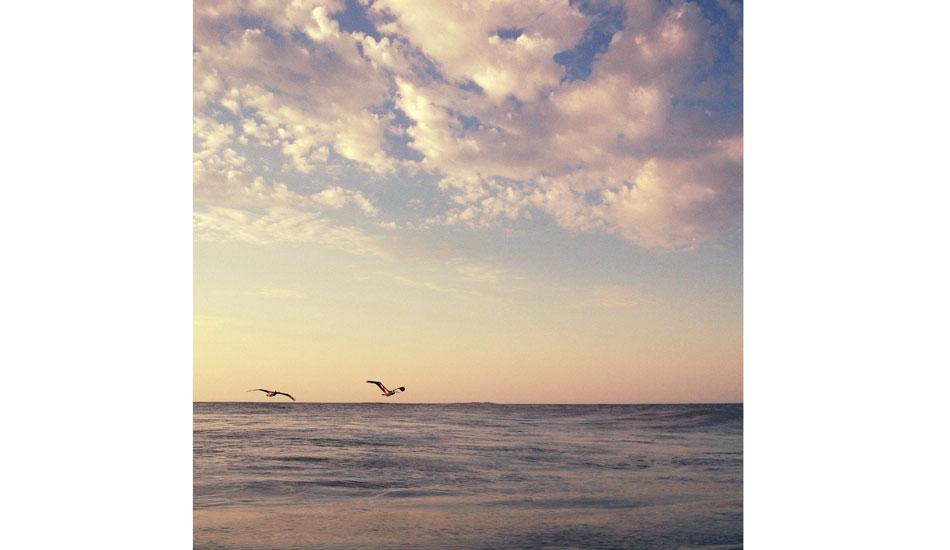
480, 476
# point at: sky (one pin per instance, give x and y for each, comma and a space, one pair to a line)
516, 202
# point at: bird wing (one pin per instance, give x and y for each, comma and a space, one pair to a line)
260, 389
380, 384
287, 394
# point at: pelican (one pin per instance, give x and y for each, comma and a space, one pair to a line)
386, 392
272, 393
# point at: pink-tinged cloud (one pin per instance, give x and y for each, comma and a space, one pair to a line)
647, 147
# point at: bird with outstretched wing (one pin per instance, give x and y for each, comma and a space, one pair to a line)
386, 392
272, 393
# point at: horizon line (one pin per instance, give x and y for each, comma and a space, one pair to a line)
463, 403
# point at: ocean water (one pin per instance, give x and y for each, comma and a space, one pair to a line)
467, 476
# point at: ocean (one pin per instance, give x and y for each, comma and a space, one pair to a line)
467, 476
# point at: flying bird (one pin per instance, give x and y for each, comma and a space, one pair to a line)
386, 392
272, 393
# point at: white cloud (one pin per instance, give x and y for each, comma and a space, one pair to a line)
281, 224
632, 150
233, 187
304, 98
338, 197
461, 37
362, 138
213, 135
390, 53
662, 181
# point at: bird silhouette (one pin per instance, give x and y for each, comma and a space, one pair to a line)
386, 392
272, 393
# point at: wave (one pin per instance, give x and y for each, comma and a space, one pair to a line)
299, 458
692, 415
351, 442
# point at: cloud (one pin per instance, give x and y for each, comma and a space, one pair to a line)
646, 146
234, 187
293, 77
462, 39
281, 224
214, 136
338, 197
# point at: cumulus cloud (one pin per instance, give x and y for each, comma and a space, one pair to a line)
465, 40
338, 197
298, 83
234, 187
647, 146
